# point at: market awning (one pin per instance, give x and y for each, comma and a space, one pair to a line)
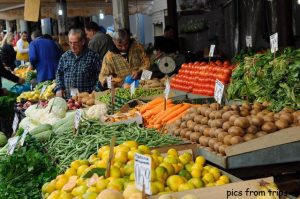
14, 9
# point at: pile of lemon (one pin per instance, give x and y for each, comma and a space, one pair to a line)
170, 173
35, 95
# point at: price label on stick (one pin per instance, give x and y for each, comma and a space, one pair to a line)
108, 80
142, 172
132, 88
23, 137
212, 50
146, 75
274, 42
74, 91
12, 144
167, 89
248, 41
77, 118
219, 90
43, 90
15, 123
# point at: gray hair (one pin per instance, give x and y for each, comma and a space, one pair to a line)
120, 35
77, 31
36, 34
7, 39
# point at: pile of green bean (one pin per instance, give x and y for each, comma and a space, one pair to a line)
67, 146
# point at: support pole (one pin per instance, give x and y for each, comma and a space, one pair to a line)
120, 14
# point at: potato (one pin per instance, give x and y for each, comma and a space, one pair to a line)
222, 149
202, 128
212, 142
244, 113
183, 125
207, 112
199, 109
210, 122
257, 121
205, 141
203, 109
201, 139
288, 110
191, 125
185, 117
194, 137
227, 140
260, 114
214, 106
198, 119
242, 122
281, 124
221, 136
249, 136
217, 145
212, 115
206, 132
254, 112
236, 140
188, 134
252, 129
217, 131
233, 118
287, 116
269, 127
257, 106
276, 116
212, 132
176, 132
226, 108
182, 132
246, 105
234, 107
218, 114
197, 127
204, 121
178, 122
226, 125
227, 115
261, 133
190, 116
218, 123
236, 131
268, 118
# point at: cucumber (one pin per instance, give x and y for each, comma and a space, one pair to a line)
41, 128
43, 136
61, 122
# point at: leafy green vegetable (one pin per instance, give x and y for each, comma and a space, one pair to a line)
263, 78
98, 171
23, 173
7, 104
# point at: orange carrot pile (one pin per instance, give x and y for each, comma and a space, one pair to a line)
156, 117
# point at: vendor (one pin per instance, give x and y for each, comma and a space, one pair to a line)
166, 44
23, 48
78, 68
127, 58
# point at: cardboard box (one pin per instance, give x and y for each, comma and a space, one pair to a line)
274, 148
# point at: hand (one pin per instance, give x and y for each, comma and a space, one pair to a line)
135, 74
21, 81
59, 93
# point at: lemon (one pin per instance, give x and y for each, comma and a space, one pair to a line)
131, 154
169, 168
90, 195
123, 148
105, 155
131, 144
54, 195
101, 184
172, 152
154, 189
121, 156
185, 174
80, 190
70, 172
220, 182
161, 173
132, 177
177, 168
197, 166
211, 184
196, 182
115, 184
171, 159
51, 186
77, 163
61, 181
159, 185
196, 173
188, 166
207, 167
215, 172
93, 158
200, 160
224, 178
174, 181
155, 152
102, 149
208, 178
153, 175
129, 168
65, 195
101, 163
115, 172
185, 186
144, 149
91, 189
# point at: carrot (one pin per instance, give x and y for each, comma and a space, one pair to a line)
161, 113
156, 109
176, 117
176, 112
157, 126
151, 104
166, 113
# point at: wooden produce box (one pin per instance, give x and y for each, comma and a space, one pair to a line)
237, 190
279, 147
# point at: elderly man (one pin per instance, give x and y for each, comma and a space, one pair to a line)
78, 68
126, 58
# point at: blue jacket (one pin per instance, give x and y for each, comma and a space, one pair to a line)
44, 55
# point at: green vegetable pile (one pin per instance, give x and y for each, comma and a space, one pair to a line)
66, 146
238, 58
262, 78
39, 86
7, 104
23, 173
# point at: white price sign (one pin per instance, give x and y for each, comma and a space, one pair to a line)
142, 172
274, 42
212, 50
74, 92
146, 75
219, 90
44, 88
167, 89
132, 88
108, 80
23, 137
248, 41
15, 123
77, 118
12, 144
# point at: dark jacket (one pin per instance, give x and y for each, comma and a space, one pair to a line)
8, 56
101, 43
6, 74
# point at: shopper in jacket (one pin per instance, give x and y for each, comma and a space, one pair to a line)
44, 56
8, 53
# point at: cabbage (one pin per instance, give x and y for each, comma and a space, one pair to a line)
59, 107
27, 122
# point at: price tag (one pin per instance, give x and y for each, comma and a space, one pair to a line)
77, 118
132, 88
212, 50
274, 42
74, 92
108, 80
146, 75
219, 89
12, 143
31, 87
44, 88
167, 89
15, 123
142, 172
22, 140
248, 41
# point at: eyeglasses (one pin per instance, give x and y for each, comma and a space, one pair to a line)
74, 43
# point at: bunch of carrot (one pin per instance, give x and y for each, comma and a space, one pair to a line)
156, 117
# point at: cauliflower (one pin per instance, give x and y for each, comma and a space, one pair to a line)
97, 112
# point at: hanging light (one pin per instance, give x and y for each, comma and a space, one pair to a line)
101, 15
60, 12
298, 2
